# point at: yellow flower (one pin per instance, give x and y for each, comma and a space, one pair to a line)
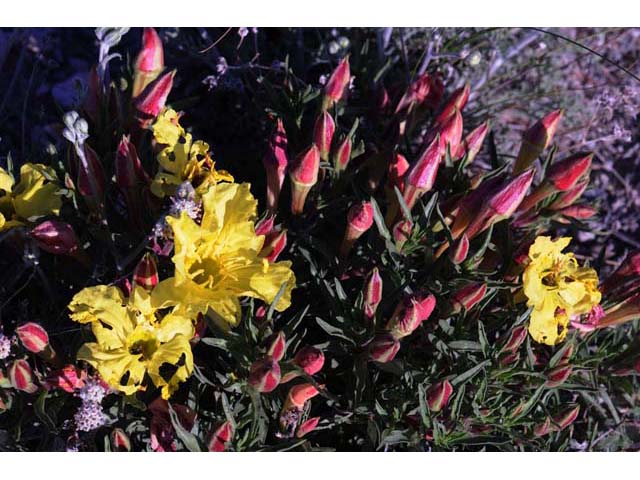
34, 196
557, 288
182, 159
133, 338
217, 261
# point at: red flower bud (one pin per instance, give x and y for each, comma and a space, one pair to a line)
300, 394
343, 155
456, 101
91, 177
372, 293
153, 98
566, 418
275, 164
265, 225
129, 170
416, 93
304, 175
536, 139
397, 170
451, 133
623, 312
438, 396
337, 83
409, 314
33, 337
401, 232
359, 220
323, 132
55, 237
565, 174
277, 347
21, 376
422, 176
460, 250
69, 379
150, 61
579, 212
146, 272
567, 198
274, 243
221, 437
307, 427
120, 440
515, 339
264, 375
508, 358
543, 428
383, 348
629, 269
558, 375
309, 359
468, 296
472, 143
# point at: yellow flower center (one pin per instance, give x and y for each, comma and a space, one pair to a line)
143, 341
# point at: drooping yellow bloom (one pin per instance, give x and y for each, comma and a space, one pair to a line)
557, 288
34, 196
217, 261
182, 159
133, 338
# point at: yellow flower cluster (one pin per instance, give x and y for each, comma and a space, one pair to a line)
36, 195
181, 159
557, 288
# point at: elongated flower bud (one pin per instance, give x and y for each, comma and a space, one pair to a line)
220, 437
416, 93
397, 171
472, 143
91, 177
70, 378
300, 394
150, 61
629, 269
274, 242
422, 176
515, 339
21, 376
383, 348
153, 98
565, 174
33, 337
55, 237
566, 418
304, 175
275, 164
468, 296
264, 375
567, 198
438, 396
451, 133
536, 139
402, 232
508, 358
307, 427
625, 311
409, 314
456, 101
129, 170
578, 212
343, 155
309, 359
323, 132
277, 347
372, 293
542, 429
558, 375
359, 220
337, 83
265, 224
146, 272
458, 253
120, 441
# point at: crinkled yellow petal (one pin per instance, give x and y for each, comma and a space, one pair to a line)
166, 129
140, 300
263, 280
546, 246
36, 194
6, 180
226, 204
113, 365
176, 353
543, 326
174, 324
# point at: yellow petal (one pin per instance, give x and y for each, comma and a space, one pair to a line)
6, 180
36, 195
176, 353
543, 326
113, 365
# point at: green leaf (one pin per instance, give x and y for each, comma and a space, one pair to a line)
463, 377
189, 440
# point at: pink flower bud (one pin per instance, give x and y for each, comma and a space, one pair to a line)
277, 347
456, 102
69, 379
416, 93
146, 272
221, 437
150, 61
543, 428
91, 177
566, 418
579, 212
458, 253
275, 164
33, 337
55, 237
359, 220
515, 339
307, 427
508, 358
343, 155
274, 243
536, 139
451, 133
303, 175
129, 170
337, 83
401, 232
397, 170
409, 314
438, 396
570, 196
153, 98
323, 132
383, 348
120, 441
472, 144
300, 394
629, 269
569, 349
558, 375
264, 375
422, 176
565, 174
468, 296
372, 293
265, 225
309, 359
21, 376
